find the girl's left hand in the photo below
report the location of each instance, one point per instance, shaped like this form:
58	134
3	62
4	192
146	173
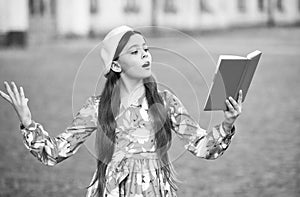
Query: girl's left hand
234	109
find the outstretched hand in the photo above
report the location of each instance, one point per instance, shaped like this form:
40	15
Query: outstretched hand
17	99
234	110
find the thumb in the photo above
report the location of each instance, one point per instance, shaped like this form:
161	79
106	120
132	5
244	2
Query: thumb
26	100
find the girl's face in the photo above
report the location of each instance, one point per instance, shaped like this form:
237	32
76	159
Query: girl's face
135	59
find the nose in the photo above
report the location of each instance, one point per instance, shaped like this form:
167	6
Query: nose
144	54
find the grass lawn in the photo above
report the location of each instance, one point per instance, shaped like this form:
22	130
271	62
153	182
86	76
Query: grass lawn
262	160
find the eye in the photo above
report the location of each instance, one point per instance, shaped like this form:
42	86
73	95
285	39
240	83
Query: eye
134	52
146	49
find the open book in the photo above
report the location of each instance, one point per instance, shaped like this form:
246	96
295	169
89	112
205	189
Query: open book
232	74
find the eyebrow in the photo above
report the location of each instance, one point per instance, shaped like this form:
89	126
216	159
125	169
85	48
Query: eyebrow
136	45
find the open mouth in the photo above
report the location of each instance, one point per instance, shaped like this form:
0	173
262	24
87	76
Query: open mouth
146	65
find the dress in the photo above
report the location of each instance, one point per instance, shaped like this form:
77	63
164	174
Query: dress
134	170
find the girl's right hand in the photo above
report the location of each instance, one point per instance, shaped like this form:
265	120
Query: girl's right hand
17	99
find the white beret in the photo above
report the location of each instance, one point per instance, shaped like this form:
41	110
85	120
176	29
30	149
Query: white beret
110	44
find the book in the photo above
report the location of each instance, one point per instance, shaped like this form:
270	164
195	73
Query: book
232	74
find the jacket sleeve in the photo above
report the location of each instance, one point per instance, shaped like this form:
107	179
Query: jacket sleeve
52	150
200	142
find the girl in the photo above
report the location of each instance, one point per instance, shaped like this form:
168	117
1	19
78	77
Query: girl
133	121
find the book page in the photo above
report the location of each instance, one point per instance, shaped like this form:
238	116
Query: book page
232	57
253	54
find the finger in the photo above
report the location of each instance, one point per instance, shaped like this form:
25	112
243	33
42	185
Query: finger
240	99
234	103
22	94
5	96
230	107
15	89
10	92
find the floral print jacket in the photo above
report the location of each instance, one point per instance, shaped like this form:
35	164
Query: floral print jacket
133	140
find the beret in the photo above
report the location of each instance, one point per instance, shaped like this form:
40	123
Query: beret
110	44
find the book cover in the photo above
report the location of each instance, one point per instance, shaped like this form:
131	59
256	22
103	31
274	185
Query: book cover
232	74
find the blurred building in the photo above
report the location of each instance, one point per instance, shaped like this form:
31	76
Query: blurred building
13	22
42	19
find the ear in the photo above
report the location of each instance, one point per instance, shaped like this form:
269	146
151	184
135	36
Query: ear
115	66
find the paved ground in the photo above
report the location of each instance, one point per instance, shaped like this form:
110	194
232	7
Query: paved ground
262	160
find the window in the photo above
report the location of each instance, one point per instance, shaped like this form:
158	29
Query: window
204	6
261	5
241	5
36	7
31	7
131	6
169	6
279	5
93	6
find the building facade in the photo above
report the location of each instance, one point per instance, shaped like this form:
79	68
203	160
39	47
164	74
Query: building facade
48	18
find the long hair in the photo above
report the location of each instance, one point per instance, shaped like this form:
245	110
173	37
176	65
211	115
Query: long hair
109	107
